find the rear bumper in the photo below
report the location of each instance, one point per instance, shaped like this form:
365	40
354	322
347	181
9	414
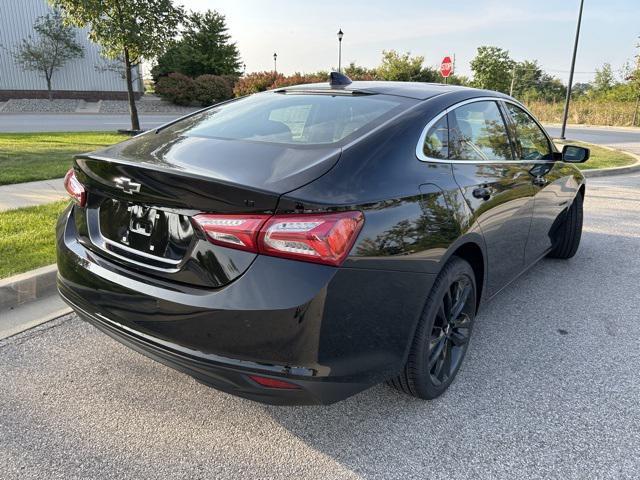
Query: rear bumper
332	332
226	375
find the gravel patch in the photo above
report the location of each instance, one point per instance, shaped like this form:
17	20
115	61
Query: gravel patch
144	106
28	105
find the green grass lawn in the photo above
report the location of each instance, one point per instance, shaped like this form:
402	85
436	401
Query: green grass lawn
600	157
27	237
25	157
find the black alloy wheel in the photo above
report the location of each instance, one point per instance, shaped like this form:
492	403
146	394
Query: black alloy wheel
451	331
443	333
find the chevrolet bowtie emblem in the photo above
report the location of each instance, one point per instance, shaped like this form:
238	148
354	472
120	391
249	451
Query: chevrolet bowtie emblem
126	185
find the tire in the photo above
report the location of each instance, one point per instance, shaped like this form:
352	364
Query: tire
569	232
440	344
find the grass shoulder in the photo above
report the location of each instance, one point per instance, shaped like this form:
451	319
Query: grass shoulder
27	157
600	157
27	237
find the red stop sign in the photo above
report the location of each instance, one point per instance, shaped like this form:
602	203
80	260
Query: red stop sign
446	67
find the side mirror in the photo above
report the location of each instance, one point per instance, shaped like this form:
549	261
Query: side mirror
575	154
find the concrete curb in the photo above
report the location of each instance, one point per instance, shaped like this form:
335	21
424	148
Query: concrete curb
605	172
28	300
595	127
27	287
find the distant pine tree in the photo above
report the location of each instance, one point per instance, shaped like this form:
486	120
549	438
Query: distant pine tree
205	48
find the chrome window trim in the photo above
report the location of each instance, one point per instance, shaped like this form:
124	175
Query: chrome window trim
420	146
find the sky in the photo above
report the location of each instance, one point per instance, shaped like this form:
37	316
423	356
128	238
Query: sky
303	32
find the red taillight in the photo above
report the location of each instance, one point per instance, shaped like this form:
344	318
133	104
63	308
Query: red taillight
234	231
322	238
74	188
273	383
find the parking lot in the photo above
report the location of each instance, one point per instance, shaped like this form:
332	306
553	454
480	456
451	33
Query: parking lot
550	389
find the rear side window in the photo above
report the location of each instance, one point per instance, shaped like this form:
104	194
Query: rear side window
477	132
303	119
530	141
436	142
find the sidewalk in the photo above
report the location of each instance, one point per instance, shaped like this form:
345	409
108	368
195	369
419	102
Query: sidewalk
31	193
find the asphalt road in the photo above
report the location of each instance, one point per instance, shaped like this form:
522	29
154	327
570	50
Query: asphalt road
75	122
12	122
598	135
620	138
550	389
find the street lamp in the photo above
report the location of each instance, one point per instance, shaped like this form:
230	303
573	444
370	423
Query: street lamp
573	66
275	62
340	35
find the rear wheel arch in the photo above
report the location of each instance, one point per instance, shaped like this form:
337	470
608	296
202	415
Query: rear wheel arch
471	249
473	254
582	190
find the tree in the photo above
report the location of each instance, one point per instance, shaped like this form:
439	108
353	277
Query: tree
133	29
633	77
530	82
54	46
581	88
604	79
404	68
492	69
525	78
458	80
357	72
205	48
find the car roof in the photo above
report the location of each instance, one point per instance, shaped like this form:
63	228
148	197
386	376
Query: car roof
416	90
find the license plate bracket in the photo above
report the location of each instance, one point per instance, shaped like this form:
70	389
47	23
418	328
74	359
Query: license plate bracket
135	226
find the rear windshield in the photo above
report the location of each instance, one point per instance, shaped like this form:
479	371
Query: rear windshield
302	119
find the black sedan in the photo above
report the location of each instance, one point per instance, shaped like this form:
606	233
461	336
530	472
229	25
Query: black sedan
301	245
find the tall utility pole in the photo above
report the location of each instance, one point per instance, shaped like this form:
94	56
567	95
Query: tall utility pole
573	66
340	35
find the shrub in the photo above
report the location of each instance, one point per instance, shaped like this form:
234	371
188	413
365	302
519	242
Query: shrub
299	79
210	89
256	82
176	88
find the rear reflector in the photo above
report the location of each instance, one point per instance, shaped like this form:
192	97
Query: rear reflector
74	188
273	383
321	238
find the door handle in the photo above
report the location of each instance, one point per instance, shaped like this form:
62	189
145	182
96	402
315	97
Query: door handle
482	193
539	181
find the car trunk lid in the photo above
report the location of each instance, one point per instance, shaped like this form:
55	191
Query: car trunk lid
143	193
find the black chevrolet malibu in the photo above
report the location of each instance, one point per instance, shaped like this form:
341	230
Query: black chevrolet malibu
300	245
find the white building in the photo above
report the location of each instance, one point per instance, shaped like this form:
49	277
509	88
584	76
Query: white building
78	78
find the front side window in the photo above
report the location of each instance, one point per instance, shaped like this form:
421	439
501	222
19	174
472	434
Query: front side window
298	119
477	132
436	142
530	141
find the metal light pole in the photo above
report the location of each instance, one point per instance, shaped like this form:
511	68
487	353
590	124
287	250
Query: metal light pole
573	66
340	35
275	62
